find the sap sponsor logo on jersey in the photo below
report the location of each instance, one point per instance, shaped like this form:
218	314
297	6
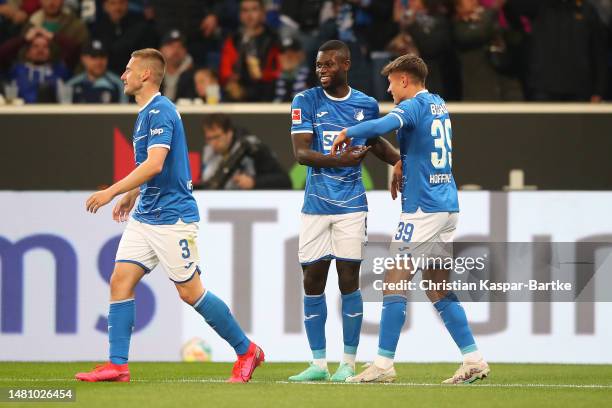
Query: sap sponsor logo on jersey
440	178
155	132
296	116
328	139
154	111
438	109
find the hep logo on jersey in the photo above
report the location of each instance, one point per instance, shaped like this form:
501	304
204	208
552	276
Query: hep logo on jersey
296	116
155	132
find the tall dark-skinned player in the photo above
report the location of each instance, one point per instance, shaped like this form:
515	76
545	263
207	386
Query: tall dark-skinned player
333	219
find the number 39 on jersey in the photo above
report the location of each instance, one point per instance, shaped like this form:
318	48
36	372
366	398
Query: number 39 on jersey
443	152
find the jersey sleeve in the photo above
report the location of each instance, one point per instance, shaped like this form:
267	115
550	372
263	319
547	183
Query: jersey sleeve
374	128
301	114
161	128
406	112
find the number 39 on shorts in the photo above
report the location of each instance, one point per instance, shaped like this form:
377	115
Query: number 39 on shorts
404	231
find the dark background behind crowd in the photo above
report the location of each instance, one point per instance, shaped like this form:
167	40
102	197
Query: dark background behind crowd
74	51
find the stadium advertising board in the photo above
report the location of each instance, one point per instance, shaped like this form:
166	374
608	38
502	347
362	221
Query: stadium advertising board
56	260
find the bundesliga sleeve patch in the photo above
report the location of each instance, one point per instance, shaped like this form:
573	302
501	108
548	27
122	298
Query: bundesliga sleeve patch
296	116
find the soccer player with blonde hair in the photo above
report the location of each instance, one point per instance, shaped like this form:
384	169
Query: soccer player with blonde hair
163	228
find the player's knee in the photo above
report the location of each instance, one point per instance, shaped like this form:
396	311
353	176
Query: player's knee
313	288
190	294
437	295
188	298
120	287
314	284
348	277
115	280
348	282
315	277
348	287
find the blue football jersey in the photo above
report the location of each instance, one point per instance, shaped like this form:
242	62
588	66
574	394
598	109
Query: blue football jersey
332	190
425	140
167	197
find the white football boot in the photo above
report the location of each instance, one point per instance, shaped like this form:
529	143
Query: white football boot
374	374
467	373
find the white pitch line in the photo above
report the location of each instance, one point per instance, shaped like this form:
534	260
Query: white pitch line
410	384
396	384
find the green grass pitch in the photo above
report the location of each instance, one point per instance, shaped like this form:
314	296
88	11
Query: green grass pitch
201	385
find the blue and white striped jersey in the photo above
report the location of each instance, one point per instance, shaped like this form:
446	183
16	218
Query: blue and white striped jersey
332	190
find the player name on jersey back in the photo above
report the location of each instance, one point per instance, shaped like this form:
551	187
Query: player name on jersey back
438	109
440	178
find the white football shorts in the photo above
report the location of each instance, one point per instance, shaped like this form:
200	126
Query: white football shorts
174	246
334	236
425	234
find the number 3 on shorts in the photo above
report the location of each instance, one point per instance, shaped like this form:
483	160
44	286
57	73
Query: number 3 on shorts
185	247
404	231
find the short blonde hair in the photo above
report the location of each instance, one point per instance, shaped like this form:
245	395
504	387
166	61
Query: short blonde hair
154	60
409	64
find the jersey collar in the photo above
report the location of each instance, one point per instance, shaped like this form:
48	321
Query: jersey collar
420	92
148	102
344	98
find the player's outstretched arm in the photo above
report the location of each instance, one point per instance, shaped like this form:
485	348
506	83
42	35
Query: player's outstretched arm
308	157
141	174
366	130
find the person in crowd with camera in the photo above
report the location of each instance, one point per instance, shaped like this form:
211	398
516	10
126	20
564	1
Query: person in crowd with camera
233	159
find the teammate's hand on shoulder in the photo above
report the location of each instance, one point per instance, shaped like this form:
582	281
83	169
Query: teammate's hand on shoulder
341	142
396	180
98	199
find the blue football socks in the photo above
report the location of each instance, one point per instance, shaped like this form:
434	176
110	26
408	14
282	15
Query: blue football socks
352	318
456	323
218	316
391	323
315	315
120	326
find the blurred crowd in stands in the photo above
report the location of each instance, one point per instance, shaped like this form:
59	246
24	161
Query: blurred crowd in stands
74	51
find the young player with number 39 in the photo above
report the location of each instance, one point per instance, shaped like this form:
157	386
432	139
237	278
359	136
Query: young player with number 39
429	211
